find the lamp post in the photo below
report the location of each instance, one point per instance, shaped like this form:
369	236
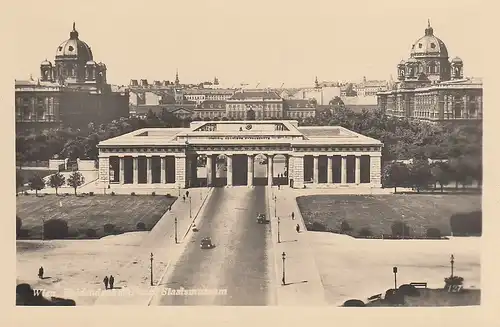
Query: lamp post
43	228
403	226
452	261
279	240
395	271
151	259
175	229
283	257
274	198
190	213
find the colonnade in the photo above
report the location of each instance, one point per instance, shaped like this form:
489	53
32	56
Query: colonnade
178	169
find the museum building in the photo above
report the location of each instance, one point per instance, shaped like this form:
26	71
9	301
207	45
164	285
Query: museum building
326	156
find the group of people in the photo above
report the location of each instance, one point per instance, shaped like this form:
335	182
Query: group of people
297	227
109	282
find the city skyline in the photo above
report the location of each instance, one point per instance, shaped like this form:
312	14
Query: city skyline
290	60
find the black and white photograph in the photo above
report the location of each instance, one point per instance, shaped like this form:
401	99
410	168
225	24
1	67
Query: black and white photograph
230	153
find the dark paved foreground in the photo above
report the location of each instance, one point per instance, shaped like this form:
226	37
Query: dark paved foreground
237	264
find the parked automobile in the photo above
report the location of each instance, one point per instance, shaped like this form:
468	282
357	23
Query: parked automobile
261	219
206	243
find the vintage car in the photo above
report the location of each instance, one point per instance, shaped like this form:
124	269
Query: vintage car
261	219
206	243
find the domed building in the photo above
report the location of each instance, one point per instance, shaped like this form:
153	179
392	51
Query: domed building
72	91
431	87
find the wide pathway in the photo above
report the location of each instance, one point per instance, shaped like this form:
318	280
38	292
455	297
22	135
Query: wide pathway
237	267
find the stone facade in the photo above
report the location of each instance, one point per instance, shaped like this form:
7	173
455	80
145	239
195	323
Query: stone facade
341	159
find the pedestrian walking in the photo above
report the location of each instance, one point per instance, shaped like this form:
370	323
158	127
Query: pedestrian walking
297	228
187	194
293	215
111	281
106	280
279	186
40	272
184	198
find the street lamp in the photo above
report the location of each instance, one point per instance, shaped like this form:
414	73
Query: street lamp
151	268
283	257
190	213
43	228
279	240
403	226
175	229
452	261
274	198
395	271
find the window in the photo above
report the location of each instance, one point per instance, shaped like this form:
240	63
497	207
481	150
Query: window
70	48
420	45
433	45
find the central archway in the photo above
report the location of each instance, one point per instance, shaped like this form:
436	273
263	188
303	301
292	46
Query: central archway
201	170
280	170
260	165
220	170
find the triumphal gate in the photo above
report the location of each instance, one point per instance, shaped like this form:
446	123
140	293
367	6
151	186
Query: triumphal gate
232	153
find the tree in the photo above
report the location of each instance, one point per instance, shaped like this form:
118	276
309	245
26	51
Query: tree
19	180
19	225
75	180
441	174
396	174
420	174
36	183
56	180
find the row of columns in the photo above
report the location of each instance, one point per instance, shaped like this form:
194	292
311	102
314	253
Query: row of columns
149	170
343	170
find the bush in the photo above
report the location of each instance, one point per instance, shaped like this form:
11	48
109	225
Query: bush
109	229
26	193
133	193
141	226
318	227
433	233
354	303
400	229
455	280
169	195
345	227
91	193
153	193
409	290
19	225
365	232
394	297
113	193
466	224
55	229
91	232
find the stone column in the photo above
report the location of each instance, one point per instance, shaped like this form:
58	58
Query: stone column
343	179
229	172
375	170
270	169
135	164
104	170
209	170
298	171
180	170
163	173
357	176
316	169
122	170
250	170
329	173
149	171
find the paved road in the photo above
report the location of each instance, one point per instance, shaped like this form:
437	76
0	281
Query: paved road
237	264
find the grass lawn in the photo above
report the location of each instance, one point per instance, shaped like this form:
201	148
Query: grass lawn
91	212
418	211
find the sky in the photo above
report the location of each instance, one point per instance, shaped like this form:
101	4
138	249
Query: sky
260	41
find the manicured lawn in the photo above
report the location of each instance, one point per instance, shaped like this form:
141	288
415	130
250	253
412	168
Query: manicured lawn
91	212
418	211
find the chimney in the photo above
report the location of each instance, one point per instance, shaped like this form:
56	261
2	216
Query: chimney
133	82
144	82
